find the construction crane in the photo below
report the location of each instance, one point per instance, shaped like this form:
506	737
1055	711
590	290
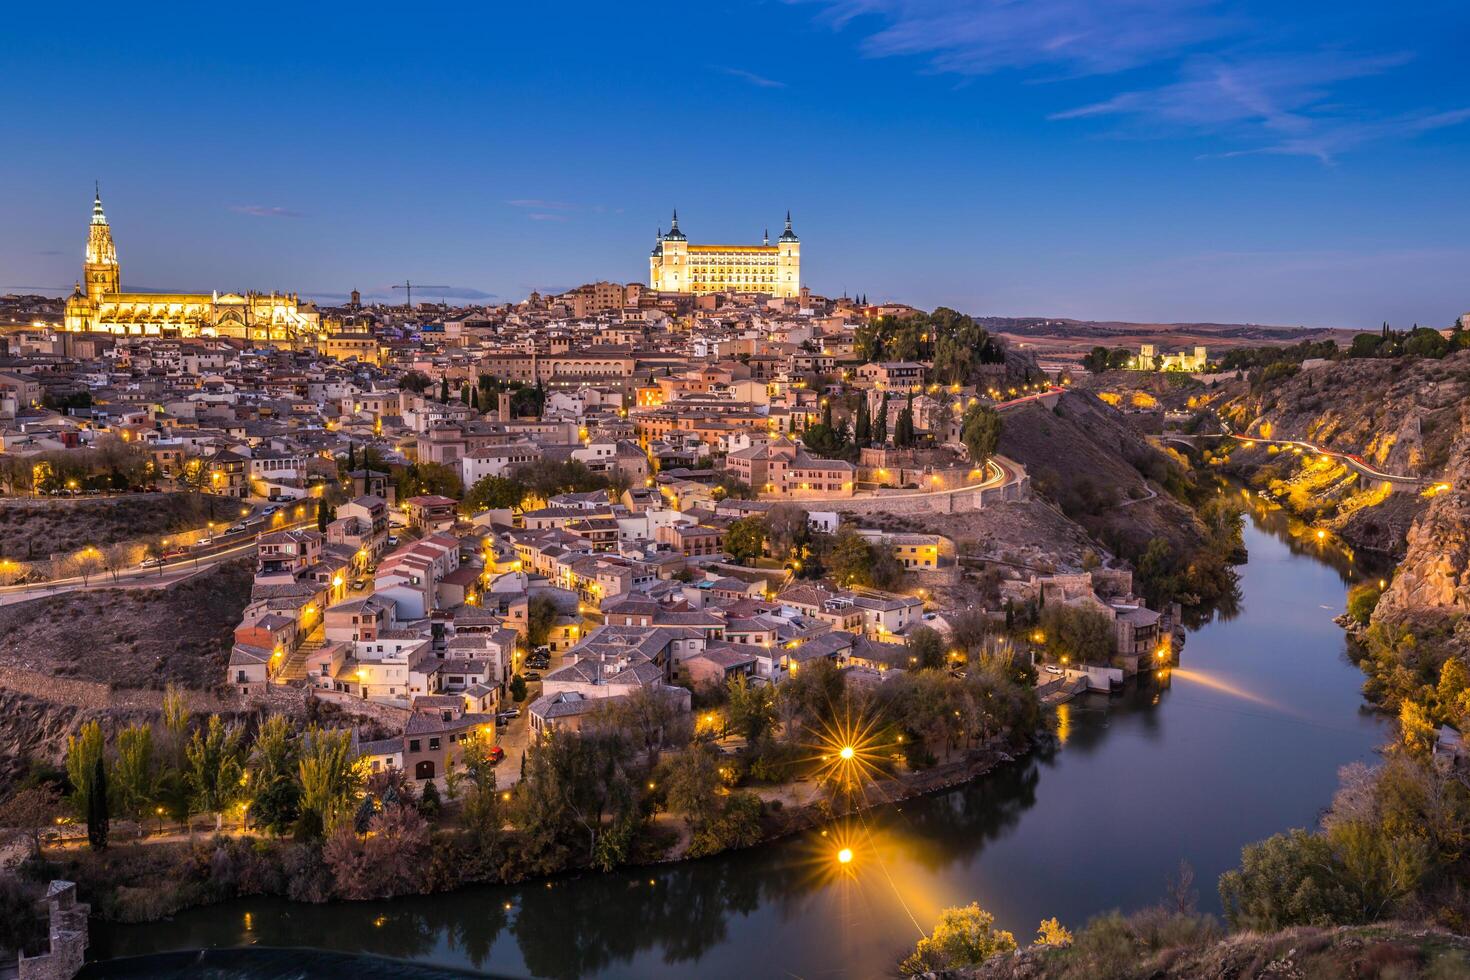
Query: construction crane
409	287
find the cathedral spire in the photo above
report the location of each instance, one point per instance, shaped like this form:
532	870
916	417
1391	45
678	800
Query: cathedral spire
98	218
766	237
675	225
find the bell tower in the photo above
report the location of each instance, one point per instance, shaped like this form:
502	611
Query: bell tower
100	271
788	262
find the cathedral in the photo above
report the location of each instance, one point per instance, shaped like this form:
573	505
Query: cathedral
98	304
678	267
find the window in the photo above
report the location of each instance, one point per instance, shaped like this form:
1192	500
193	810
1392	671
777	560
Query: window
433	745
413	745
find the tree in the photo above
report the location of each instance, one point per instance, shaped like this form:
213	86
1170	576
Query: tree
215	758
84	751
927	647
492	493
963	937
389	861
1362	599
430	478
745	539
30	808
903	430
323	516
133	771
786	529
570	786
117	558
691	780
1052	933
880	423
415	381
86	563
330	778
653	716
97	822
444	389
541	613
272	772
429	802
1290	879
518	689
852	557
862	429
351	456
1084	635
1416	728
751	708
981	432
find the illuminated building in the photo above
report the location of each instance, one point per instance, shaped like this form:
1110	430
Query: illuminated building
678	267
103	307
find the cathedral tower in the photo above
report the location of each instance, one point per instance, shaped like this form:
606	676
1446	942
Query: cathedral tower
100	268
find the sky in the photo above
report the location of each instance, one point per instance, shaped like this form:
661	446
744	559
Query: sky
1195	160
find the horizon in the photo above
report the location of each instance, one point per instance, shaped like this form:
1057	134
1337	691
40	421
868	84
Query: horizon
1209	162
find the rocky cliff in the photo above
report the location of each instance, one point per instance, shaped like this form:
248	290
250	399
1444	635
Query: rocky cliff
1404	415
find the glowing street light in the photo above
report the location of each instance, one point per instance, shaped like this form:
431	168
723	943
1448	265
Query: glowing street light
847	752
844	856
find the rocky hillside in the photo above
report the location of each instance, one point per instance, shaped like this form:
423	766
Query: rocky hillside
1404	415
1385	950
32	528
1084	456
134	637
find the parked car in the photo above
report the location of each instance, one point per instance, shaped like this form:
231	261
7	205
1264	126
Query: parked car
204	542
507	714
271	509
358	584
497	755
1052	669
236	528
150	563
532	676
392	540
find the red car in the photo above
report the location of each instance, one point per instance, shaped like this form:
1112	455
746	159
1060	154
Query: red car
497	754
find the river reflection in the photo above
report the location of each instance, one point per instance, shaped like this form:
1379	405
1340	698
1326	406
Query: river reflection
1242	741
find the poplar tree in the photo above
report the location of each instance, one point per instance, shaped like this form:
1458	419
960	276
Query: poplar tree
863	427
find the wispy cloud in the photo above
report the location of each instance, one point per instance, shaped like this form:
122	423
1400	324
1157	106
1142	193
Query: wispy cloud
540	204
759	81
1080	37
1284	103
547	216
264	211
1220	80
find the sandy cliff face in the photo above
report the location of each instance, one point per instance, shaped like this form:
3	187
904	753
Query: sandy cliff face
1434	577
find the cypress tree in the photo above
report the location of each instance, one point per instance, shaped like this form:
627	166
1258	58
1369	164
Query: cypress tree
323	516
444	389
351	456
97	823
474	399
880	424
863	427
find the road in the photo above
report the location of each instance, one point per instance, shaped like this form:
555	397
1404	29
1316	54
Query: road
177	568
1354	462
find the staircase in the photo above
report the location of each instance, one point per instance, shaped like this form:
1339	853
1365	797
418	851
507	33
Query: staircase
294	669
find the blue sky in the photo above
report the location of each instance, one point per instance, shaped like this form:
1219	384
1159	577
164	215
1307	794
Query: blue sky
1143	160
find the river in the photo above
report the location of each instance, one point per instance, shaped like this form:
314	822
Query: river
1242	740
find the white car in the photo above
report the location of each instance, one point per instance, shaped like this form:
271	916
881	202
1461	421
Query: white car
1052	669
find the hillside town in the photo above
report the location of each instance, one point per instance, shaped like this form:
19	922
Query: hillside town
503	519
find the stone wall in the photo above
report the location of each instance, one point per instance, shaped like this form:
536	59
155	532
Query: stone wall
68	937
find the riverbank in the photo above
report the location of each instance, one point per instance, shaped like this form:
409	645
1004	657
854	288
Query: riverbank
151	879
